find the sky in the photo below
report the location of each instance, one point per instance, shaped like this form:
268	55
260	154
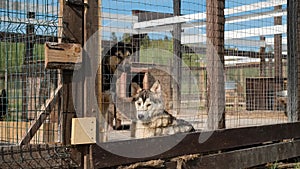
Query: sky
47	9
188	7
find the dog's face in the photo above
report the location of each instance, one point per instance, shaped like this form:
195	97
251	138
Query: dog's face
148	103
119	54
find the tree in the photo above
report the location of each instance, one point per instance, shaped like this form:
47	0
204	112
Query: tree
113	37
126	38
145	41
166	38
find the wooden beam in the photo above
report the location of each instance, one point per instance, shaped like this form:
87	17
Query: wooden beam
220	140
62	55
240	33
201	24
200	16
249	157
42	115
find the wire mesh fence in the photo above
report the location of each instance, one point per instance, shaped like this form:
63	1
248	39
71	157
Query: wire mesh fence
163	42
254	67
25	27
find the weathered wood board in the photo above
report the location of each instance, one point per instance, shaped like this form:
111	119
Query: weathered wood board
62	55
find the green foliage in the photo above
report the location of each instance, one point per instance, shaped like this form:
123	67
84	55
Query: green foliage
274	165
113	37
233	74
12	55
192	59
11	61
156	51
126	38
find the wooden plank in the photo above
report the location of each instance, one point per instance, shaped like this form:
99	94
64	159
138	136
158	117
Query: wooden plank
62	55
256	16
42	115
200	16
254	6
240	33
249	157
229	19
219	140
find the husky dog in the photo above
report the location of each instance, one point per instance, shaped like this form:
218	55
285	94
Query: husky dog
152	118
115	62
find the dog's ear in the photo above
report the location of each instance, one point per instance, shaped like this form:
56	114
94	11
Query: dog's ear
156	87
135	89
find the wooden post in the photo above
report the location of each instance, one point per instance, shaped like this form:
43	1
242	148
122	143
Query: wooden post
72	32
262	52
29	45
91	25
177	62
293	35
278	58
215	63
99	116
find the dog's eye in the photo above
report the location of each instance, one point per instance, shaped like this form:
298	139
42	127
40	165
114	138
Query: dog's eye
148	105
139	103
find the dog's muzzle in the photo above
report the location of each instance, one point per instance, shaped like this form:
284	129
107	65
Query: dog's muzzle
141	117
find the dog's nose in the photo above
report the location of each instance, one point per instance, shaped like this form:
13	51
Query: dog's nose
140	116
